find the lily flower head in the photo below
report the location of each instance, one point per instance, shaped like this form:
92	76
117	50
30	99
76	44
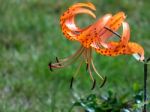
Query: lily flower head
94	36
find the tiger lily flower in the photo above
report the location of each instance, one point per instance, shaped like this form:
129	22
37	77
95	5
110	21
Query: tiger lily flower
93	36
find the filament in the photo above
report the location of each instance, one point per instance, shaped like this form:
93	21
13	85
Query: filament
113	32
88	56
77	71
67	61
74	55
89	70
94	68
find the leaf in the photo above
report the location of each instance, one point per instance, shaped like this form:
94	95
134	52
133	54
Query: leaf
112	102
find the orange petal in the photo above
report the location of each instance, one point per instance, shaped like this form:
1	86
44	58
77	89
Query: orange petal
70	24
114	24
88	4
126	33
89	36
83	10
135	48
69	28
79	8
124	37
108	51
99	25
130	49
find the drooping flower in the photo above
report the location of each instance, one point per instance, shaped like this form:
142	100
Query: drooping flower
94	36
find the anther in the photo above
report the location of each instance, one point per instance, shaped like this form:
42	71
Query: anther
87	65
50	66
58	61
94	83
71	82
103	83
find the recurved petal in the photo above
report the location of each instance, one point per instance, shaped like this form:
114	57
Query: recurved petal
114	24
98	27
70	24
102	22
116	21
136	49
79	8
131	48
126	33
67	22
109	51
124	37
85	11
88	4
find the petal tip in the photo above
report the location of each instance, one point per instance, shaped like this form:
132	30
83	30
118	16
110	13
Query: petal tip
92	6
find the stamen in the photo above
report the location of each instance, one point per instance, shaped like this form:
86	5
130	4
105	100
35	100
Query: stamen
71	82
69	60
50	66
78	69
89	70
95	70
88	57
80	50
94	83
105	78
75	74
113	32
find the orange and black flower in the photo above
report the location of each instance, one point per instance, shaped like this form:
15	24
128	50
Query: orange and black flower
95	36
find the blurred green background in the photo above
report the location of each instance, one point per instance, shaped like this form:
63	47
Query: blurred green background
30	37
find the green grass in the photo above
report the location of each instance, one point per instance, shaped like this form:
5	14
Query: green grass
30	36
